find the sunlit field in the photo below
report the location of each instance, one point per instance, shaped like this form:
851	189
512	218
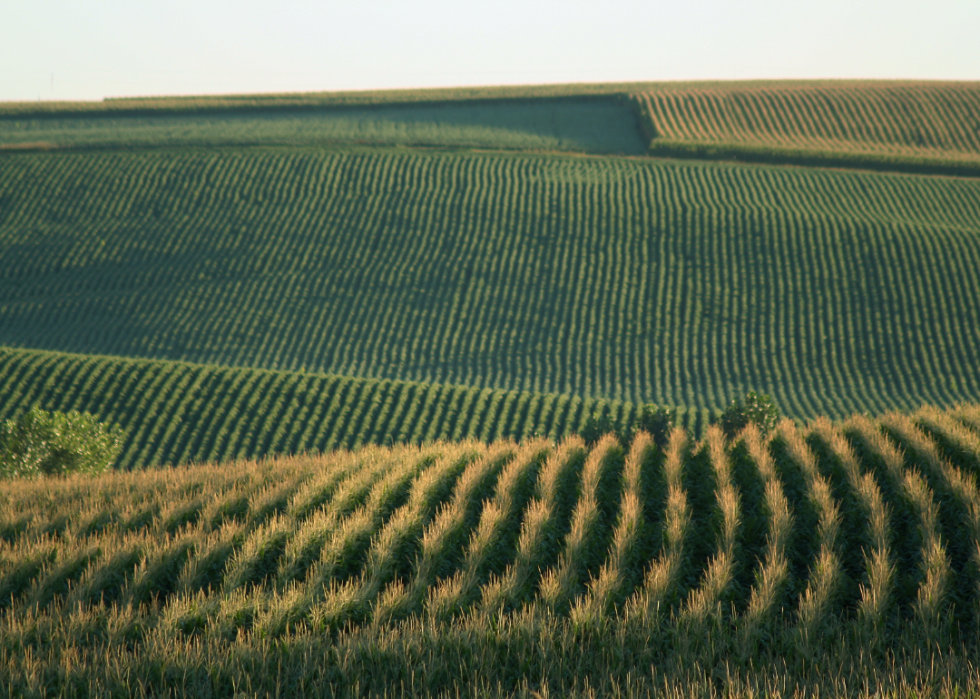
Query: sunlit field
832	555
348	361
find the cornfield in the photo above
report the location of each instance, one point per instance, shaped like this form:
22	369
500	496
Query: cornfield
623	279
880	125
177	412
855	539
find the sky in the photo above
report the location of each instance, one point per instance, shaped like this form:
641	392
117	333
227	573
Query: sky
71	50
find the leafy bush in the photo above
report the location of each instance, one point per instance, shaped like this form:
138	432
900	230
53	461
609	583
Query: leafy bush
759	409
658	421
52	443
597	425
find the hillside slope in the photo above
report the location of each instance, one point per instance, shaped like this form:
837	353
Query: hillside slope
176	412
596	125
862	533
893	125
897	118
643	281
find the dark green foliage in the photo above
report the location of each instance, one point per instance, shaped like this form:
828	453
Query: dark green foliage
638	280
706	519
17	578
754	522
10	530
265	559
63	574
39	442
591	125
608	495
308	412
597	425
657	421
183	517
142	520
804	543
162	576
233	510
757	409
883	162
113	576
210	565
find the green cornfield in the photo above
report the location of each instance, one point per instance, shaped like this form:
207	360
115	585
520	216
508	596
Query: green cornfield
840	558
634	280
871	124
177	412
354	340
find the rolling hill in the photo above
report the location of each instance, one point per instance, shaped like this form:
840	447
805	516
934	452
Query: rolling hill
626	279
819	546
392	286
177	412
520	241
909	126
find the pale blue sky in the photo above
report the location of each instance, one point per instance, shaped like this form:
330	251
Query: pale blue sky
89	49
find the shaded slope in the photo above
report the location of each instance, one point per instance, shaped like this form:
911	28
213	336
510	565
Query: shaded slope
680	284
176	412
586	125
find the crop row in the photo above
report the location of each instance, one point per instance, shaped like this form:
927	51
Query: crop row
670	283
175	412
870	523
936	120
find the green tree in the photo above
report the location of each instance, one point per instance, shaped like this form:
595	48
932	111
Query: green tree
597	425
759	409
657	421
39	442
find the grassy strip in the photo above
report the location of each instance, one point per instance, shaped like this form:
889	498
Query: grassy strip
617	577
663	581
525	656
876	586
561	585
443	537
487	547
816	609
960	517
393	547
709	602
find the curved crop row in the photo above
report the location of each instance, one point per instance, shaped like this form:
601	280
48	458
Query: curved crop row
864	524
310	407
899	118
675	283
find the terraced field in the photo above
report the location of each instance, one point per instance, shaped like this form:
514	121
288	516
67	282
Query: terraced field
911	122
756	550
176	412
